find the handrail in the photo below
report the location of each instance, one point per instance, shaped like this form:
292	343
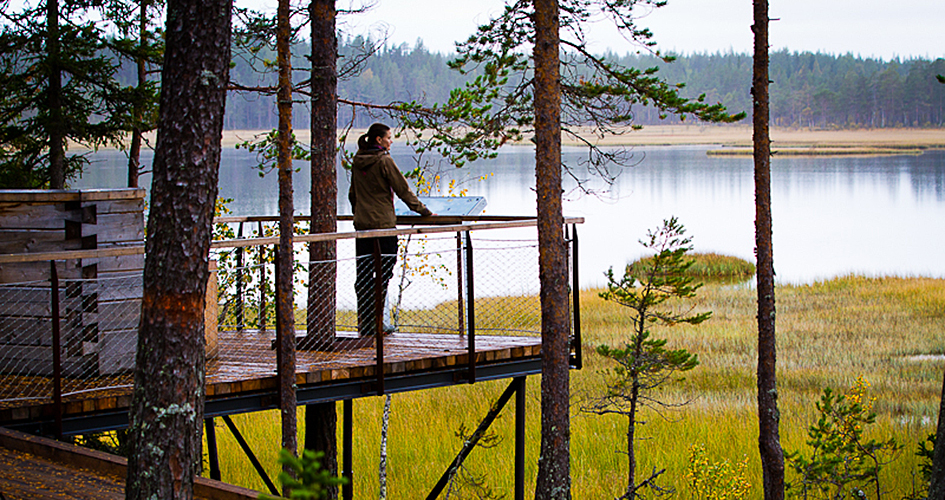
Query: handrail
376	233
502	222
10	258
401	219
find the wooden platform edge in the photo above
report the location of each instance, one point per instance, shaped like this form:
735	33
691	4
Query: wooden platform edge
78	457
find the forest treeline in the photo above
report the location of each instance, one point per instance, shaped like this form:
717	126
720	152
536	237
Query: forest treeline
808	89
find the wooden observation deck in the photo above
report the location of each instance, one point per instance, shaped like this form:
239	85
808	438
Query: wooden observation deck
447	327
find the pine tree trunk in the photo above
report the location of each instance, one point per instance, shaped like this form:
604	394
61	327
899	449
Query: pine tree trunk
321	435
54	126
769	442
321	420
285	292
554	472
321	295
167	406
134	151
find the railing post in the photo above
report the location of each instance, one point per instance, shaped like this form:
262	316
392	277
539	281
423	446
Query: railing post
261	316
240	319
470	311
578	361
459	283
56	348
379	315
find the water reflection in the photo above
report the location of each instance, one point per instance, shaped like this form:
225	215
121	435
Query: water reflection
832	215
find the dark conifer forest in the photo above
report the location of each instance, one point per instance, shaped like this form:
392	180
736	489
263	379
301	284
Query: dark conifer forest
810	90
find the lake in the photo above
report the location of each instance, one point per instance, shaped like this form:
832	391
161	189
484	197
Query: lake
877	216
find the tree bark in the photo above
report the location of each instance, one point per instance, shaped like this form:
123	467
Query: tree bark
769	442
167	406
321	420
285	293
554	471
321	296
57	150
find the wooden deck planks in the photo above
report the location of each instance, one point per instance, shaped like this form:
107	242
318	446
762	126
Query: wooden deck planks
247	363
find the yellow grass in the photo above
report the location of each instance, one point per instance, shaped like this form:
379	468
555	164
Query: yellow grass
829	333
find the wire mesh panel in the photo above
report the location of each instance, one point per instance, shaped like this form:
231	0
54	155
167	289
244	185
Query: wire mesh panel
25	326
98	325
433	298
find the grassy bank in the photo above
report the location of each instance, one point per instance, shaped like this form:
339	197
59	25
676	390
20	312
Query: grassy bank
829	334
823	151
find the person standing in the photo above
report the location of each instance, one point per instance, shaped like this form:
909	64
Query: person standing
375	179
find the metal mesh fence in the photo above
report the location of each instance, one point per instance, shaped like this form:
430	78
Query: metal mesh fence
98	324
438	289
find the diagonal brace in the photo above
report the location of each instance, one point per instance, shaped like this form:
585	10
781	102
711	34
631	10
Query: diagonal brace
473	440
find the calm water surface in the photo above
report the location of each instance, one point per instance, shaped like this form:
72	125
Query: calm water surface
832	216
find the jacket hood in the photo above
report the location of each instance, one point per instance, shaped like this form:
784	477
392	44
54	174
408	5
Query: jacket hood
368	157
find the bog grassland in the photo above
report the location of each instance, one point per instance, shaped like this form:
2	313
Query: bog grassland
886	330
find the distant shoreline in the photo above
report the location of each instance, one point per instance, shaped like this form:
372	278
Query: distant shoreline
736	136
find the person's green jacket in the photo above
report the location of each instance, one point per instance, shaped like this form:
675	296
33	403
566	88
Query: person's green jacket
375	179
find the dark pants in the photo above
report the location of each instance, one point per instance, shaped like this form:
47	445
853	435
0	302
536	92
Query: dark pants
367	278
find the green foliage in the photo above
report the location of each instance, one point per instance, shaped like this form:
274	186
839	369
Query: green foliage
716	480
94	109
926	451
267	151
243	288
644	363
843	462
813	89
496	105
707	266
645	288
308	480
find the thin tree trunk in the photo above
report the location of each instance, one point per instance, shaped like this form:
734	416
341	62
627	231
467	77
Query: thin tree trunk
285	305
769	442
382	467
321	420
554	470
54	127
134	153
167	404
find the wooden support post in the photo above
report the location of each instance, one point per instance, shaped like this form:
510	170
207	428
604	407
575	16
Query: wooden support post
347	490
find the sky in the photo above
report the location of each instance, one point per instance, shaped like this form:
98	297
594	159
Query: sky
868	28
